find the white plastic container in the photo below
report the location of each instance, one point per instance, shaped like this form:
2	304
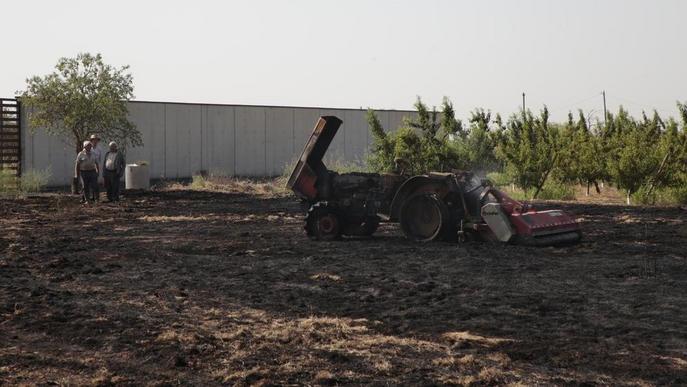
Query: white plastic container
137	176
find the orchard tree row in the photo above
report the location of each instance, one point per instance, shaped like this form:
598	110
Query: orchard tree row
640	156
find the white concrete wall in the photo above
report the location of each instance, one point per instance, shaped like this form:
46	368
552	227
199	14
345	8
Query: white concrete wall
181	140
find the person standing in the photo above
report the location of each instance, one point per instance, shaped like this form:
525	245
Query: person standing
95	140
86	167
113	169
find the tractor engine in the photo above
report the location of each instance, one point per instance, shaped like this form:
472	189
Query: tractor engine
349	204
338	204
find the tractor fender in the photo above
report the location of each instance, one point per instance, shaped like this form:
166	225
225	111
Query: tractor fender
419	183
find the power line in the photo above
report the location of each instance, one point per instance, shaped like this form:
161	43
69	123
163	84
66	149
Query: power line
642	106
568	106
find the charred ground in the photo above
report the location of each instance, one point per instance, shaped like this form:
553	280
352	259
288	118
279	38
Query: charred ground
222	288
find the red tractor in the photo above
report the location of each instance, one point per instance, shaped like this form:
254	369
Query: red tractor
434	206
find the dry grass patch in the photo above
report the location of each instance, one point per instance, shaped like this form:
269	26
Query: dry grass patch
266	187
179	218
467	336
325	277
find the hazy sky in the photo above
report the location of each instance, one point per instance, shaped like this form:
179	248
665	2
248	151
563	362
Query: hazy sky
378	54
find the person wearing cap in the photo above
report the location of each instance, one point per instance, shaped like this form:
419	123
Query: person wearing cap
95	140
86	168
113	169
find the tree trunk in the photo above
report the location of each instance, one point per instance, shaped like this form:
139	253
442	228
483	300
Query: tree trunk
628	198
587	193
541	184
536	192
659	173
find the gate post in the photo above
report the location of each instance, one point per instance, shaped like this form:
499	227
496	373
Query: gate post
10	135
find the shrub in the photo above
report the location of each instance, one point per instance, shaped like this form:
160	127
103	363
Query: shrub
663	196
555	190
499	179
34	180
199	182
8	182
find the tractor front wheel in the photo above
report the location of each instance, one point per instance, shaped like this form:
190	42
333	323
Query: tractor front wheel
322	222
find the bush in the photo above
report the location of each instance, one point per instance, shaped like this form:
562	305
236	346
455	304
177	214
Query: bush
31	181
552	190
662	197
198	182
34	180
679	194
555	190
499	179
8	182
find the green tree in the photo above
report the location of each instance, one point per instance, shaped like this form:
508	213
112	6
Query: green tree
580	155
381	157
477	146
671	149
633	157
423	142
83	96
528	147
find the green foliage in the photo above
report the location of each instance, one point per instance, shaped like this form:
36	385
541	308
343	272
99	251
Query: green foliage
553	189
198	182
422	144
661	196
556	190
478	143
8	182
500	179
83	96
646	157
34	180
528	147
381	157
31	181
580	155
637	150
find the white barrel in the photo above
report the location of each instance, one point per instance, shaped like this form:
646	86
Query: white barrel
137	176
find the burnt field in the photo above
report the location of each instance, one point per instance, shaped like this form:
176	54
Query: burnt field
210	288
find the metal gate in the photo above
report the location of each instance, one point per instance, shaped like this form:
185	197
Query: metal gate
10	135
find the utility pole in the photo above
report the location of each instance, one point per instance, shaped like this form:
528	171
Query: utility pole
523	103
603	93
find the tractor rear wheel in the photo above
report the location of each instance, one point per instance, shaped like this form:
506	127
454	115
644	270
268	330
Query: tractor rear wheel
323	222
424	217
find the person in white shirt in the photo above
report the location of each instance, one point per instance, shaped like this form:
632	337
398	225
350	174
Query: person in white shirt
87	169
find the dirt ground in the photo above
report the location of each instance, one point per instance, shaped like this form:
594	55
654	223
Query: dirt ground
217	288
